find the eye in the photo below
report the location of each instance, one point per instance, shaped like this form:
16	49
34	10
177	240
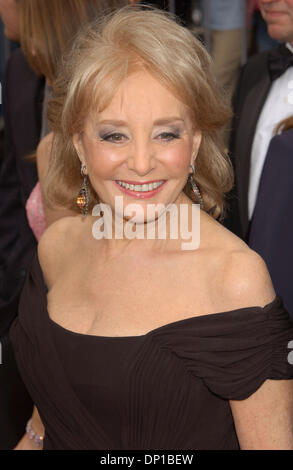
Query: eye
115	137
168	136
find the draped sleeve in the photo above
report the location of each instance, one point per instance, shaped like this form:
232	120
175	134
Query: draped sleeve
234	352
174	388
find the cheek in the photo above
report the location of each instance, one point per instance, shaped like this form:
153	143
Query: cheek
287	6
290	8
102	160
177	159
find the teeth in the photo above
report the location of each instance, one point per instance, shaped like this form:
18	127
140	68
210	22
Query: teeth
140	187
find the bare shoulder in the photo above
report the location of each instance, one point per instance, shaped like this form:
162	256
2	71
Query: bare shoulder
242	278
56	245
246	279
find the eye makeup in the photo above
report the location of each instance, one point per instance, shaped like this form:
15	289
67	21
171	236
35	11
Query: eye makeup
168	134
111	134
113	137
120	133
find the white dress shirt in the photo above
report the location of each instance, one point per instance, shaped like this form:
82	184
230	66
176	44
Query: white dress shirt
278	106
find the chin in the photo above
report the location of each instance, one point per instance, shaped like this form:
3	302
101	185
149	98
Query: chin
278	33
141	219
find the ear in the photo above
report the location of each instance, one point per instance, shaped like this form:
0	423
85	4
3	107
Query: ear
197	136
79	147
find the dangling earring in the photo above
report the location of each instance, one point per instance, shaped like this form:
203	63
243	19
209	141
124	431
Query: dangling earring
191	179
82	199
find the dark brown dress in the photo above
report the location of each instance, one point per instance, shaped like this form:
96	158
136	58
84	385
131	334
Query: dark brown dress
168	389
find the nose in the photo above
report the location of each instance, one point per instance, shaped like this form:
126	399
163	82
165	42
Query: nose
142	159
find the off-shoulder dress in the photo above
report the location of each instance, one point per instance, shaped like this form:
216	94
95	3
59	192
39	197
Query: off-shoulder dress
167	389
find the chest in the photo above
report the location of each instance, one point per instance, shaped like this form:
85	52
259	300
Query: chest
126	298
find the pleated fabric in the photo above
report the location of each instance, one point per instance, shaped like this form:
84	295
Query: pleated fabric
166	390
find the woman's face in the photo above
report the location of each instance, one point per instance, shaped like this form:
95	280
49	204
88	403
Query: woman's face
144	137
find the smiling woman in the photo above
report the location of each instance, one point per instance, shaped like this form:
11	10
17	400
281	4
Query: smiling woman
125	55
141	145
132	343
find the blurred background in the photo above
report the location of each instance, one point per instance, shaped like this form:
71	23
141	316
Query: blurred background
199	16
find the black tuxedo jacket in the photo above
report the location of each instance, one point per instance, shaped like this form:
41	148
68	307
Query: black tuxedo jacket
249	98
22	99
271	232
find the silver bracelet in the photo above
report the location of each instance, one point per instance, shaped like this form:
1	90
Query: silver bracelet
38	440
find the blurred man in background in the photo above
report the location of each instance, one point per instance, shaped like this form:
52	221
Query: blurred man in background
9	15
260	104
225	21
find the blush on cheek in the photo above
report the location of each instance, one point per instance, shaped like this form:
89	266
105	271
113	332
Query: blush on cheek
100	168
178	160
102	160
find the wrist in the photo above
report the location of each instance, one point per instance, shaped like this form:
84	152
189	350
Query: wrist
33	436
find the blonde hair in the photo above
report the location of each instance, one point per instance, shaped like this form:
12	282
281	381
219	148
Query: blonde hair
101	57
47	28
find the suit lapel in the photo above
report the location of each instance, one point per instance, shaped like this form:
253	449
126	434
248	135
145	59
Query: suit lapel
248	120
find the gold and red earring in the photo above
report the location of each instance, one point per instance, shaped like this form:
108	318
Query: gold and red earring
82	199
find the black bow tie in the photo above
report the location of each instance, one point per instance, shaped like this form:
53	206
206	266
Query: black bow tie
280	59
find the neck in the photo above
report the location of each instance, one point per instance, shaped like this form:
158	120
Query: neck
174	228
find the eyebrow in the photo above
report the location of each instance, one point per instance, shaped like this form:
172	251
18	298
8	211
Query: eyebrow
163	121
158	122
